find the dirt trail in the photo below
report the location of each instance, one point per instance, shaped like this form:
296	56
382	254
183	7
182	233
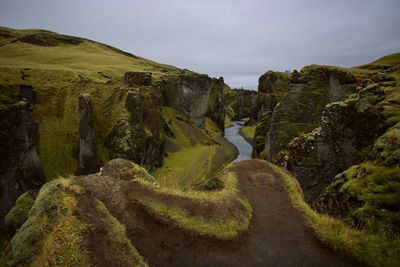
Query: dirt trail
277	235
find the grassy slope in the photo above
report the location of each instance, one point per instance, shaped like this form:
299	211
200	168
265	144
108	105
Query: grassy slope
195	159
248	132
59	74
389	64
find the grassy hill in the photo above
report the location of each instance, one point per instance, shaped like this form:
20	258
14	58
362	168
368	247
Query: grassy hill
59	68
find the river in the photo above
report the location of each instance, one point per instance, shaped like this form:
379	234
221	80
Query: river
232	135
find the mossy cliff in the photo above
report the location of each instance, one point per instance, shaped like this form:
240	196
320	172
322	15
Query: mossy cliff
294	103
336	130
89	103
242	103
345	136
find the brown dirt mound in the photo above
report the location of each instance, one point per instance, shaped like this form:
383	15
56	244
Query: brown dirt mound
277	235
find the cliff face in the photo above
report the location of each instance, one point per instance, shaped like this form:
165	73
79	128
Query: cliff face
367	193
195	96
243	102
137	134
87	153
346	156
346	132
300	102
20	168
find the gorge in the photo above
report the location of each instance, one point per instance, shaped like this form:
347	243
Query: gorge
111	159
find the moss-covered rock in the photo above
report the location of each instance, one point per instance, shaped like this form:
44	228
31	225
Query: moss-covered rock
346	137
260	134
301	98
138	133
368	194
17	216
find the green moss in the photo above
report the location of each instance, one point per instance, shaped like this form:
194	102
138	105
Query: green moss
223	228
3	107
19	213
51	235
248	131
59	72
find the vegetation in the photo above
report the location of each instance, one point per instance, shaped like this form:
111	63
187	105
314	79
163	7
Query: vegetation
59	70
19	213
221	225
248	132
194	147
51	235
369	248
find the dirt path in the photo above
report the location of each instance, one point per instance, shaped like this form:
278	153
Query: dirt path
277	235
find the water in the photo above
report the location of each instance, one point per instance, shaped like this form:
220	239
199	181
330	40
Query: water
233	136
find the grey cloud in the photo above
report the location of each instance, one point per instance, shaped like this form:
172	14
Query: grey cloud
237	39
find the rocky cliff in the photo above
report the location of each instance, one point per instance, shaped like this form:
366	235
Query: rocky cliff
345	154
20	168
295	103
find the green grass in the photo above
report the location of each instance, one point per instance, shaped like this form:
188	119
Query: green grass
224	229
374	250
221	228
19	213
59	74
183	168
194	161
248	131
51	236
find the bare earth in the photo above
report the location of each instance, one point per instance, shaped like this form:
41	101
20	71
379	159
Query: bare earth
278	235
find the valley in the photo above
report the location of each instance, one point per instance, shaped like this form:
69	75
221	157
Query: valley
111	159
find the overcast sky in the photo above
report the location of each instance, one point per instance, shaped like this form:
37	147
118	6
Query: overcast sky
236	39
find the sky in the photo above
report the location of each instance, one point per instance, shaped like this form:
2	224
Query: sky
236	39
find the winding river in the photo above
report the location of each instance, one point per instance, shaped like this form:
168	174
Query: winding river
232	135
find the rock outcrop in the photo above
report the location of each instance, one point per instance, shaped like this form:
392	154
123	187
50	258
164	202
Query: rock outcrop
300	100
20	168
88	162
216	103
137	134
195	96
243	103
347	129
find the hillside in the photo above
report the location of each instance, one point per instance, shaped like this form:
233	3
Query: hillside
73	104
